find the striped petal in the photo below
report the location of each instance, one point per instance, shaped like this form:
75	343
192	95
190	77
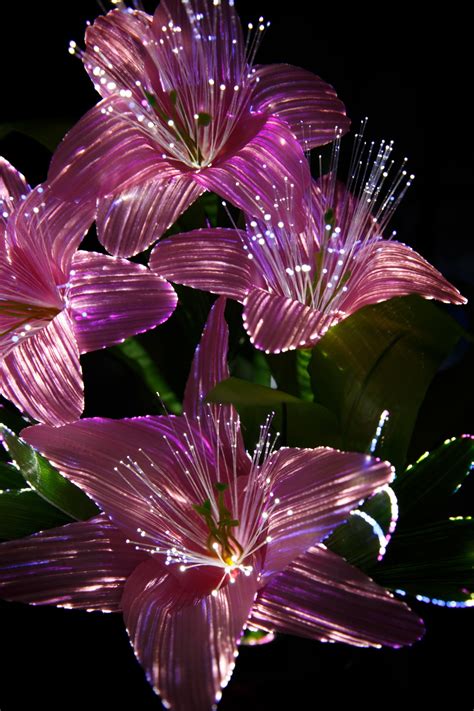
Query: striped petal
322	597
211	260
315	490
81	565
129	221
104	151
42	374
303	100
13	187
111	299
390	269
187	646
275	323
267	175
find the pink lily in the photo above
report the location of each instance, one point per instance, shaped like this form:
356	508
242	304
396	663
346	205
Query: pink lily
183	111
295	285
57	302
197	539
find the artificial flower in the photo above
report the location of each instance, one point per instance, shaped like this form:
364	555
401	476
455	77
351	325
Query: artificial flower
57	302
197	539
295	285
184	110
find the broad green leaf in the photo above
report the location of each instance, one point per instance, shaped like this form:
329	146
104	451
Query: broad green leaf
10	477
24	512
46	480
381	358
290	371
138	359
424	488
242	392
435	560
47	131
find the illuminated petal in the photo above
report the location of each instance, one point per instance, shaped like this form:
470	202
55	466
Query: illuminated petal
42	374
390	269
211	260
114	56
299	326
106	150
268	175
82	565
316	489
129	221
322	597
187	646
303	100
136	476
13	187
111	299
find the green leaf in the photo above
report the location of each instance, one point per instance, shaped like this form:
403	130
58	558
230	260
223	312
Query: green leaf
242	392
10	477
435	560
381	358
425	488
290	371
24	512
46	480
137	358
47	131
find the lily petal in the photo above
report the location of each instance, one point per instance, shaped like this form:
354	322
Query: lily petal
315	490
111	299
211	260
129	221
322	597
303	100
13	187
299	326
81	565
388	269
106	150
267	176
114	56
176	637
42	374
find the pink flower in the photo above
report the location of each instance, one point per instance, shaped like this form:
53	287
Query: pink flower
57	302
198	539
295	285
183	111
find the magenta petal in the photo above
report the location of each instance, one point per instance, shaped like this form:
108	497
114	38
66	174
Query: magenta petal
83	564
303	100
276	323
42	374
322	597
187	647
104	151
111	299
316	489
13	187
132	472
388	269
128	222
211	260
259	176
114	56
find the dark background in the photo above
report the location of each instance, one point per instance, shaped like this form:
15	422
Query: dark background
411	77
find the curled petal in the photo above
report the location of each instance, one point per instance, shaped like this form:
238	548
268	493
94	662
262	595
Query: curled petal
13	187
42	374
211	260
114	56
129	221
104	151
303	100
388	269
179	638
267	176
276	323
322	597
111	299
314	491
81	565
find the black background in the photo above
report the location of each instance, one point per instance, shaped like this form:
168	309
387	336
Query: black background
411	77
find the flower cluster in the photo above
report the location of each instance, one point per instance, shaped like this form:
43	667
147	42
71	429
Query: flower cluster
197	539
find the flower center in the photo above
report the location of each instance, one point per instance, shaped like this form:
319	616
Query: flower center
221	541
